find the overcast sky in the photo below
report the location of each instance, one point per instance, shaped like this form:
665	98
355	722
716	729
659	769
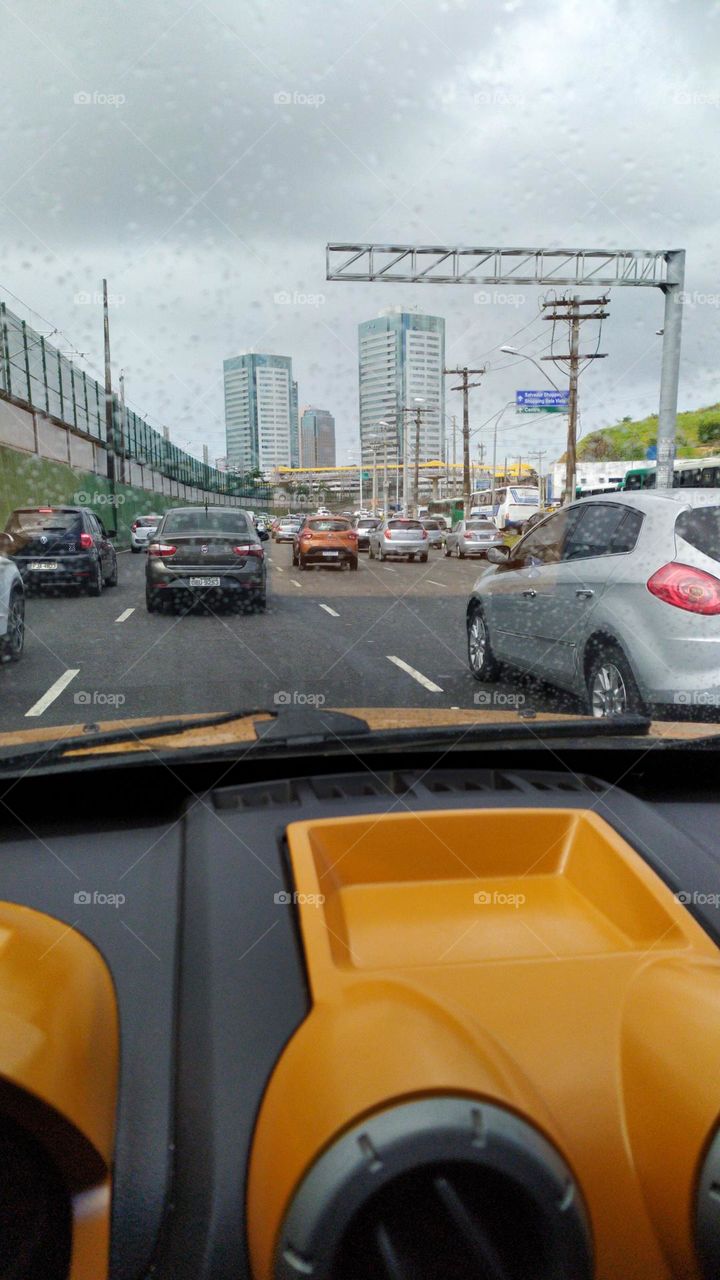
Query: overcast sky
201	155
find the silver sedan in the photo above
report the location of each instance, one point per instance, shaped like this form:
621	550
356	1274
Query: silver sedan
473	537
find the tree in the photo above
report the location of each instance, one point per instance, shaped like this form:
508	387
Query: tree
709	428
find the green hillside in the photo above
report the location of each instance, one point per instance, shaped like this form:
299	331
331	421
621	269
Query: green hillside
698	433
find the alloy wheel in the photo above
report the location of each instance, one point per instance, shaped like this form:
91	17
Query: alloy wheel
608	696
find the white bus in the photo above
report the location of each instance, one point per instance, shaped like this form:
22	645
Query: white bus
513	505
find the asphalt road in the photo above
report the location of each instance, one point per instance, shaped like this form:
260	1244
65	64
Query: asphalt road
390	635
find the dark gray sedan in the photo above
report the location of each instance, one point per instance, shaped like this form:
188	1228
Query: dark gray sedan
212	554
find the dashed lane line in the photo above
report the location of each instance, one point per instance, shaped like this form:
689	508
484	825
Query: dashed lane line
125	615
416	675
327	609
53	692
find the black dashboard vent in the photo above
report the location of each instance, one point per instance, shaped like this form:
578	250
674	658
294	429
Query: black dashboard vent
35	1210
441	1188
264	795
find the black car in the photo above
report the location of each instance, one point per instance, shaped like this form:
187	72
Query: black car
213	554
61	547
363	525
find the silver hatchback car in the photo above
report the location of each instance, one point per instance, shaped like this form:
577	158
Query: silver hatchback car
615	598
473	537
399	536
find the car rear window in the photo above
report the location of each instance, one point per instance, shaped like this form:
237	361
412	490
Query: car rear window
430	524
368	524
479	524
21	521
231	522
404	524
148	522
329	526
701	528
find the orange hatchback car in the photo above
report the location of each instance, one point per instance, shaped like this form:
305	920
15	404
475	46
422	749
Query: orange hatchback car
326	540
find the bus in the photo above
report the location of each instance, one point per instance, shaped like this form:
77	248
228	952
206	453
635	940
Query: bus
513	504
448	509
688	473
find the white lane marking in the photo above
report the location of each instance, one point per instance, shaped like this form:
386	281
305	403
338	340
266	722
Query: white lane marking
389	570
436	584
125	615
53	692
416	675
296	583
327	609
279	570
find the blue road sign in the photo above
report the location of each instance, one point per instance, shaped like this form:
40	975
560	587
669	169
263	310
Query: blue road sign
542	399
651	453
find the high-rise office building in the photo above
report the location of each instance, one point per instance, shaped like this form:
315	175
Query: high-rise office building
260	412
402	356
317	438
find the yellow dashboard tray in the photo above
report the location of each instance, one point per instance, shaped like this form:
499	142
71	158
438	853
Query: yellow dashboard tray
528	958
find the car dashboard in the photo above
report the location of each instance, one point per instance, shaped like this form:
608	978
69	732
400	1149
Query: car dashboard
424	1019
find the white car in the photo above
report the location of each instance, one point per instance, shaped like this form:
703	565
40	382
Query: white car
142	531
12	611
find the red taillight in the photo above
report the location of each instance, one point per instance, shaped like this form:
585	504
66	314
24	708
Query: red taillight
86	541
249	549
387	534
686	588
424	533
134	525
161	549
45	511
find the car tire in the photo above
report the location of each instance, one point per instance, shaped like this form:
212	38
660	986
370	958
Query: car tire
381	555
353	564
135	551
301	563
448	552
423	559
261	601
481	659
95	587
112	581
611	686
153	604
371	553
14	639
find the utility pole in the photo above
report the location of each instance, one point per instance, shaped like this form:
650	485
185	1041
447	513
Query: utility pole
571	312
123	468
109	417
417	461
465	387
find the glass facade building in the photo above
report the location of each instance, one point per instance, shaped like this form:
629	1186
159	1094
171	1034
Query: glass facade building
401	361
317	438
260	412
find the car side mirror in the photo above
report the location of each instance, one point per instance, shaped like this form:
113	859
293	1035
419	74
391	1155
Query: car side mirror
498	555
263	535
111	533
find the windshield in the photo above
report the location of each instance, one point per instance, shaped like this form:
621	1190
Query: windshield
306	403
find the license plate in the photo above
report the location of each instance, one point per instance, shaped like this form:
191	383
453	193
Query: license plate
204	582
43	564
331	553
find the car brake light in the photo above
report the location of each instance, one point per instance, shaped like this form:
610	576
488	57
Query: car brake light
686	588
45	511
134	525
248	549
387	534
161	549
424	533
86	541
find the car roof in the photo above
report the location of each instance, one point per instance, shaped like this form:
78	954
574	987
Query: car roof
653	499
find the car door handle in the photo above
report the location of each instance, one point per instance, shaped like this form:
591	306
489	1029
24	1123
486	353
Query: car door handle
584	593
530	593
